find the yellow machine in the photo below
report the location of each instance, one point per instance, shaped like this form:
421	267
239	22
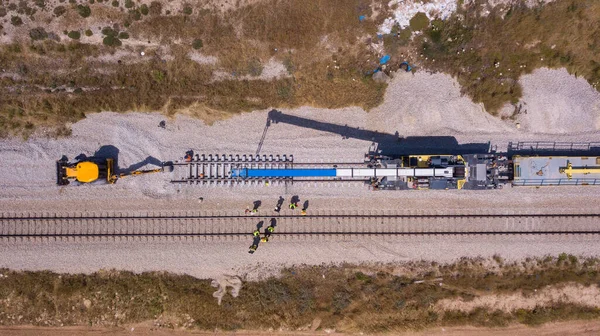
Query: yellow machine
94	169
569	171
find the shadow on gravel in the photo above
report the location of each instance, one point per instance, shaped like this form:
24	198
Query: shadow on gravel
110	151
388	144
149	160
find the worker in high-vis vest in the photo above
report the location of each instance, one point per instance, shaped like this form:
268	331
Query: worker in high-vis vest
252	249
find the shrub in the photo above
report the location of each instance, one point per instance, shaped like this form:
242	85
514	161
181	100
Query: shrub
197	44
129	4
187	10
38	33
144	9
74	34
88	32
40	3
111	41
123	35
3	12
84	11
135	14
419	21
16	21
158	75
155	8
255	68
341	300
59	10
115	3
109	32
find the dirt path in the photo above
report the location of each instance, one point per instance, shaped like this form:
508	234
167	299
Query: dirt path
579	328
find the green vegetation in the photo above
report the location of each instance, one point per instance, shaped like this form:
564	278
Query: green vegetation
112	41
84	11
419	22
488	54
59	10
38	33
347	298
197	44
135	15
16	21
74	34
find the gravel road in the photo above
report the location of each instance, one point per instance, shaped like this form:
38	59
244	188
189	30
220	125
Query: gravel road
559	107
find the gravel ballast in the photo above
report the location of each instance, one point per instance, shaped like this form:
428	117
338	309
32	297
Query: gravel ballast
559	107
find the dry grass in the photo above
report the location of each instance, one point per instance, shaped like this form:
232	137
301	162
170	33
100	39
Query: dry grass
348	298
322	44
489	54
58	82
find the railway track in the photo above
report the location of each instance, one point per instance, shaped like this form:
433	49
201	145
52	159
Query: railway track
327	225
215	169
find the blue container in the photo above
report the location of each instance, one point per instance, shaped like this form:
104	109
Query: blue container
246	172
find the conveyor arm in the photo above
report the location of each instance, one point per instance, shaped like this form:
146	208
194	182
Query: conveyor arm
343	172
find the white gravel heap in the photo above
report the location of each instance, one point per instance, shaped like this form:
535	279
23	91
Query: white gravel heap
408	8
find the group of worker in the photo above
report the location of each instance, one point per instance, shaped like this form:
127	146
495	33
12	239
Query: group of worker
294	204
256	236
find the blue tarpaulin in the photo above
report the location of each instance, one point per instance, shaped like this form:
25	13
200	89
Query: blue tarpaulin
408	67
384	59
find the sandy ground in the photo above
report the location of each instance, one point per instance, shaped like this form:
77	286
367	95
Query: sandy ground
559	107
205	259
567	294
579	328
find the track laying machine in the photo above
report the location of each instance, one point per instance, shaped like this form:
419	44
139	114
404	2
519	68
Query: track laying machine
392	163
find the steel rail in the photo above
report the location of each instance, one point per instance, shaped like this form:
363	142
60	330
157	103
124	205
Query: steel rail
290	225
357	233
263	216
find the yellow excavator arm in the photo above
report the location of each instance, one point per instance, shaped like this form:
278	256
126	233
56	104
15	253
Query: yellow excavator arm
141	172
